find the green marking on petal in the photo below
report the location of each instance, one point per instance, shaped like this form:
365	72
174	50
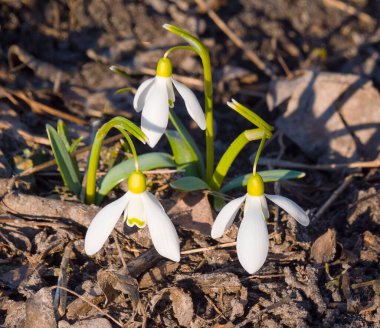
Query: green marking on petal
135	221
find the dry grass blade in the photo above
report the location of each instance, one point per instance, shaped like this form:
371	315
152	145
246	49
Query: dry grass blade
120	324
234	38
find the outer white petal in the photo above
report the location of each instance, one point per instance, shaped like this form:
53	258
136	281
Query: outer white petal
264	206
171	95
191	103
142	91
161	228
102	225
226	216
135	209
155	114
291	207
252	240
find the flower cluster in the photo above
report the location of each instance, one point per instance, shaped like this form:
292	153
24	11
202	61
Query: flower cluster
154	99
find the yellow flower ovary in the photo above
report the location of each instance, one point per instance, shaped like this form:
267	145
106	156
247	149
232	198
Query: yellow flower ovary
255	185
164	67
136	182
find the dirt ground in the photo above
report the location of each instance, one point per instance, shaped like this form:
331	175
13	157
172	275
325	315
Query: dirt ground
54	64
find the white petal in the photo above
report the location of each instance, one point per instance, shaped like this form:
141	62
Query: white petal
142	91
171	94
264	206
225	217
191	103
291	207
161	228
155	114
252	240
135	212
102	225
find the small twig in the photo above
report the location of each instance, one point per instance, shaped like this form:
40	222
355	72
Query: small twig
120	324
271	307
42	108
334	196
322	167
269	276
120	252
234	38
60	297
210	248
215	307
342	6
35	224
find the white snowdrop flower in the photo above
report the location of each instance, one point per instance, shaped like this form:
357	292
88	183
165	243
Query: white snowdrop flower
140	208
252	239
154	97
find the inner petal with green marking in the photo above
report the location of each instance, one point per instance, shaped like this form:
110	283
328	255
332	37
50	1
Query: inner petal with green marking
137	222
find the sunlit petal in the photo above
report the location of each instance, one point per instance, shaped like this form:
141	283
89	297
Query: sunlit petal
191	103
135	211
264	206
155	114
225	217
171	94
291	207
161	228
102	225
142	91
252	240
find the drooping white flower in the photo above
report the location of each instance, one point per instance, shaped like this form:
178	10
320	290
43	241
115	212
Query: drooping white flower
154	97
252	239
140	208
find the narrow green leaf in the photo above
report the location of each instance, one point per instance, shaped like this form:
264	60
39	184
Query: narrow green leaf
188	184
75	145
122	90
118	70
184	156
268	176
64	134
66	164
120	122
122	170
250	115
189	143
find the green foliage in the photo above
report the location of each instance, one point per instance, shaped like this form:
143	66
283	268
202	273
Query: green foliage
188	184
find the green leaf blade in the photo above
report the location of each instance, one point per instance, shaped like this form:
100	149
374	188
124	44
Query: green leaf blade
268	176
189	184
66	164
122	170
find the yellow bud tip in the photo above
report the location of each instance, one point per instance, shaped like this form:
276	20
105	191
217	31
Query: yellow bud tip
164	67
255	185
136	182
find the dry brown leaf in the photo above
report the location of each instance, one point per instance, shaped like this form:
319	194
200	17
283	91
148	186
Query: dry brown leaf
39	309
193	212
182	306
157	274
112	283
324	248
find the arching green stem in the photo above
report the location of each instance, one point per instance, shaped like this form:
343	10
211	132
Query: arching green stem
230	154
258	153
124	126
203	53
168	52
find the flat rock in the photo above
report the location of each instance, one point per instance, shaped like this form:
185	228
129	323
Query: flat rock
39	310
332	117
